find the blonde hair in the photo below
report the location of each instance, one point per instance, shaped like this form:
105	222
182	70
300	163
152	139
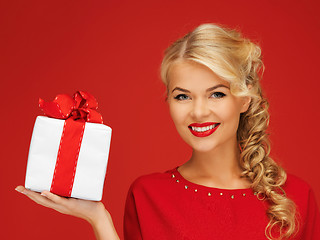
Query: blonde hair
238	60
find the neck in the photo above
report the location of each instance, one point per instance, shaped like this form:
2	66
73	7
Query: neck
220	166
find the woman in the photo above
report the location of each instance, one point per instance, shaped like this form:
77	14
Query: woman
230	188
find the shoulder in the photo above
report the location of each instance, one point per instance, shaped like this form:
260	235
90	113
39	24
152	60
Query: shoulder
153	180
299	191
297	188
303	196
295	183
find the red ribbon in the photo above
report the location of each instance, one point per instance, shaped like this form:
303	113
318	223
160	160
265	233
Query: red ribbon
76	111
81	107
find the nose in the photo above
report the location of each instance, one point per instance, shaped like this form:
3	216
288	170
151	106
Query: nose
200	109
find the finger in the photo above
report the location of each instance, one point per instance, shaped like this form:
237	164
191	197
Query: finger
53	197
26	191
36	197
20	189
39	199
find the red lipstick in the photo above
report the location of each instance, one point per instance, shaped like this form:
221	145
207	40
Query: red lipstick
204	133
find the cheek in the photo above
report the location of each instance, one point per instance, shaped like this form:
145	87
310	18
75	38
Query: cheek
179	115
176	113
229	113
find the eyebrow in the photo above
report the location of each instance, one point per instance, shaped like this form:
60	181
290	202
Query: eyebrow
209	89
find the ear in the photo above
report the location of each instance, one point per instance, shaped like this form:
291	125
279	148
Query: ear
246	101
245	104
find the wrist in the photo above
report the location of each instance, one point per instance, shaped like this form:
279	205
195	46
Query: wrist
102	225
99	215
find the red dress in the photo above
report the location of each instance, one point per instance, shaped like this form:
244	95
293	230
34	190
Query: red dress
167	206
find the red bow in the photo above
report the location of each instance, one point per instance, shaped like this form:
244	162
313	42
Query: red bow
81	107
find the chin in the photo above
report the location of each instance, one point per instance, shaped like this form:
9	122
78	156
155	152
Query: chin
204	147
203	150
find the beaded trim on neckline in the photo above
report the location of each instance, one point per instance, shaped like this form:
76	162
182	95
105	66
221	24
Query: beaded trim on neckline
210	191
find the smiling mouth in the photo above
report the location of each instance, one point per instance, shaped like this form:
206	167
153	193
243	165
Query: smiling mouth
204	129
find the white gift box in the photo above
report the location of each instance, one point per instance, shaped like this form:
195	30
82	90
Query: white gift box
92	160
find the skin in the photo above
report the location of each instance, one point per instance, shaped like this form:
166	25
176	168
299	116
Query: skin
214	160
91	211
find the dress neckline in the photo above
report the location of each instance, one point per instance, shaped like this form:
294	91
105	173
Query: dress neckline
180	178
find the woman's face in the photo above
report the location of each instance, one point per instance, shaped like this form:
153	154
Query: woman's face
196	95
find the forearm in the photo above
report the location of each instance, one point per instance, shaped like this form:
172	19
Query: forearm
103	227
91	211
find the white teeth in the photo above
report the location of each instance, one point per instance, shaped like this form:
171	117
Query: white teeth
202	129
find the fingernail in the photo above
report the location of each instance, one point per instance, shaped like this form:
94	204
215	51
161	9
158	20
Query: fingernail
18	190
43	194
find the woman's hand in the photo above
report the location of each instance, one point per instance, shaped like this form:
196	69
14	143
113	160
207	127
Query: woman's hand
91	211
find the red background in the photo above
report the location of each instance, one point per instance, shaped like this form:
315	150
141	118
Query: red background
113	49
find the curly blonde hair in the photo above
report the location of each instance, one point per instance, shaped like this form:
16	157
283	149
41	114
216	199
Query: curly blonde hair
238	60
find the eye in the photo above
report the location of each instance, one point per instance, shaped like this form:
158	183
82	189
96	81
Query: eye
181	97
218	94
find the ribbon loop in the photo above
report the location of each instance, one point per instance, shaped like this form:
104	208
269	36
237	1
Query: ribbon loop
81	107
85	100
